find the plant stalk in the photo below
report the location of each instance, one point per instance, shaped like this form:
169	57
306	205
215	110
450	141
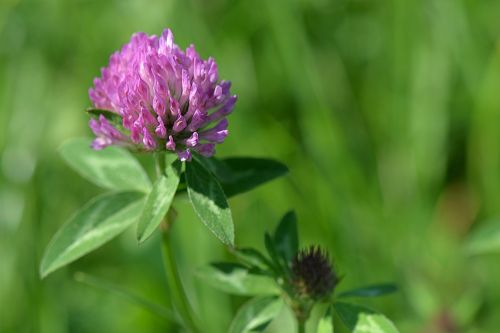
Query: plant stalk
301	310
159	164
302	326
177	293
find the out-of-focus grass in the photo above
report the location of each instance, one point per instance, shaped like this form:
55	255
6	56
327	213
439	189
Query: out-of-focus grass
386	112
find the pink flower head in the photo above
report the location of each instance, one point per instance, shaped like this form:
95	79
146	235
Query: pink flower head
167	98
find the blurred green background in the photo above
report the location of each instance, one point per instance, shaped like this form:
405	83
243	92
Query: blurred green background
386	112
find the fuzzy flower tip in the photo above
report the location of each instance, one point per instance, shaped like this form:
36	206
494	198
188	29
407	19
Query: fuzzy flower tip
165	98
312	274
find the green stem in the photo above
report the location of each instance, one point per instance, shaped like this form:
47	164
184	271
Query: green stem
302	326
301	310
177	293
179	298
159	164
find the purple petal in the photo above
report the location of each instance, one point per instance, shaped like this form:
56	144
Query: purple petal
95	126
206	149
179	124
192	140
148	140
184	155
135	134
166	41
216	137
174	107
170	145
218	91
197	120
159	106
160	130
216	134
186	87
100	143
226	109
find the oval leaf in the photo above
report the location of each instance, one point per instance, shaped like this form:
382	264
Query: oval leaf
286	239
112	168
370	291
325	323
241	174
256	314
99	221
484	240
350	313
237	279
158	201
209	201
374	323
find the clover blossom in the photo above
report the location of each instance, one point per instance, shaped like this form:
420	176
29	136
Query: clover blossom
165	99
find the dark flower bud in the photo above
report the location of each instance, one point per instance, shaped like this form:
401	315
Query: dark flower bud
312	274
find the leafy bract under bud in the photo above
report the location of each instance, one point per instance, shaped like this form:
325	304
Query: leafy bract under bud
312	274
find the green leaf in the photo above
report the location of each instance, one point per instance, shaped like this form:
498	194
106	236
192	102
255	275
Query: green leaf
112	168
370	291
241	174
158	201
209	201
253	258
374	323
325	323
256	314
484	240
273	253
111	116
237	279
125	294
100	220
286	239
350	313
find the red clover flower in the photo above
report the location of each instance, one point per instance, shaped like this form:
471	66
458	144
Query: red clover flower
167	99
